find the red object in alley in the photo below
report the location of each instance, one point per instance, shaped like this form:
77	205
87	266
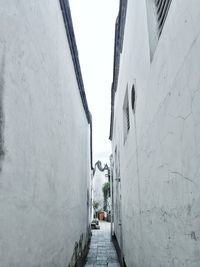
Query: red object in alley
101	216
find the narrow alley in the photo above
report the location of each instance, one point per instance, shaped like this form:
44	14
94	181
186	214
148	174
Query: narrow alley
109	142
102	251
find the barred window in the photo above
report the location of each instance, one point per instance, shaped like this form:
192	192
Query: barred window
133	98
162	7
157	11
126	118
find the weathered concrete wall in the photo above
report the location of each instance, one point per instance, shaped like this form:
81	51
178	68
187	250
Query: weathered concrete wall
44	139
159	162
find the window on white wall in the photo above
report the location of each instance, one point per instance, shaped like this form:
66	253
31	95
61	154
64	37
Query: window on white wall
117	165
133	98
126	117
162	7
157	11
152	26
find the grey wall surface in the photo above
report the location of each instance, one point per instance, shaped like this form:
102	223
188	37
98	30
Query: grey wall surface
45	153
160	160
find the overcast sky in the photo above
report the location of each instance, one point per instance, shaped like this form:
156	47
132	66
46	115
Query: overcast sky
94	26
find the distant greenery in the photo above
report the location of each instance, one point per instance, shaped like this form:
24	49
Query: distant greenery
95	205
106	189
106	194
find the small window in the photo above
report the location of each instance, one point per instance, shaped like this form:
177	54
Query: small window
126	118
117	165
133	98
116	170
157	11
162	7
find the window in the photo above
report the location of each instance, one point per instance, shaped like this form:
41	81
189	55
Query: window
117	165
116	169
162	7
126	118
133	98
157	11
122	20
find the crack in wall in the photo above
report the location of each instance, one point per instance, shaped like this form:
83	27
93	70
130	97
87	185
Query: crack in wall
181	117
181	175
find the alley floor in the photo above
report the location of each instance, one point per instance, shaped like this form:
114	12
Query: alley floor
102	251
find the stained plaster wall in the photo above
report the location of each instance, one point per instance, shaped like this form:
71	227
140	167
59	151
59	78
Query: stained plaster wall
160	160
45	154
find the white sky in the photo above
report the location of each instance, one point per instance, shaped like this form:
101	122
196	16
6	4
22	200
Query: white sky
94	26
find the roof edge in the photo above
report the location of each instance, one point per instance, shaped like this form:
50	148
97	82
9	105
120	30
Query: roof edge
118	46
65	8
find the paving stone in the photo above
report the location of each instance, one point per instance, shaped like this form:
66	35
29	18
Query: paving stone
101	258
101	262
93	251
113	265
102	251
91	260
93	247
112	257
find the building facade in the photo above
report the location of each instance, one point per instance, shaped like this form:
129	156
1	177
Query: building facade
155	127
45	137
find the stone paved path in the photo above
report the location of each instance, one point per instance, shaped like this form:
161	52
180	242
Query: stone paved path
102	251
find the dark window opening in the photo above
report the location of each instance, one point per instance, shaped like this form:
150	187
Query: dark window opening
157	11
126	118
133	98
162	7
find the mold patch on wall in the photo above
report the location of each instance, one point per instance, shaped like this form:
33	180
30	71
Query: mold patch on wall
80	250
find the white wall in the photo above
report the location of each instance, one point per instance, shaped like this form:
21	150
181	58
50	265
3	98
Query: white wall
160	160
45	169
